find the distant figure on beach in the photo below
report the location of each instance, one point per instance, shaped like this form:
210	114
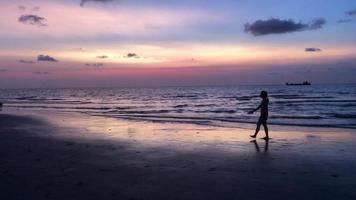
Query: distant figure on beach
264	115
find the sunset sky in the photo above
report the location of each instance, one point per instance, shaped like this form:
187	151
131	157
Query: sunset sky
104	43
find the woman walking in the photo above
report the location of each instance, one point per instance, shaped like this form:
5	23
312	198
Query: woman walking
264	115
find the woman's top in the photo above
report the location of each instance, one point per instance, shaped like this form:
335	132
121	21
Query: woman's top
264	107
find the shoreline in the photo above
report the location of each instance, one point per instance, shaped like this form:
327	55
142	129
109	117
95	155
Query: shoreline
74	156
228	124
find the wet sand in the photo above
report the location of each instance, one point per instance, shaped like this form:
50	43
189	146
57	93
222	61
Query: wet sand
75	156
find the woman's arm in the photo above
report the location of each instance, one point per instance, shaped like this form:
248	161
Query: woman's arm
251	112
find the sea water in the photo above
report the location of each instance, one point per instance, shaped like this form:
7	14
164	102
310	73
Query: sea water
312	106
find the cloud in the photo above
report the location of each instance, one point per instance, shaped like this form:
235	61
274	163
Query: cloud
27	61
280	26
102	57
94	64
274	74
46	58
36	8
21	7
3	70
351	12
83	2
42	73
340	21
317	23
306	71
78	49
132	55
312	49
273	26
33	20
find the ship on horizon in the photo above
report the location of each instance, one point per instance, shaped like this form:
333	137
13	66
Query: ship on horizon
304	83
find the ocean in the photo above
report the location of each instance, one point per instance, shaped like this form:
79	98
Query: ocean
329	106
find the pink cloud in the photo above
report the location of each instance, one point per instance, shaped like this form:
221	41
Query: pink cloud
71	20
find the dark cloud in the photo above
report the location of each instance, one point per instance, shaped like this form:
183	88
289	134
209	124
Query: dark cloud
340	21
46	58
42	73
351	12
94	64
273	26
83	2
312	49
3	70
132	55
280	26
33	20
27	61
102	57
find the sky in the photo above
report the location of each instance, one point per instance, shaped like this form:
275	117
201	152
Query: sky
123	43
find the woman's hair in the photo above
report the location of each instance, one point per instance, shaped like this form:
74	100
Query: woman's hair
263	94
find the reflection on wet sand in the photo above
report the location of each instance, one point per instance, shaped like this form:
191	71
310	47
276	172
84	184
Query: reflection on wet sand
257	146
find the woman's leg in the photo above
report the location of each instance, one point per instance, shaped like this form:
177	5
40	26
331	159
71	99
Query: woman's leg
264	123
257	128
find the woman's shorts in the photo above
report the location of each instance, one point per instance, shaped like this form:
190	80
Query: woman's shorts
262	119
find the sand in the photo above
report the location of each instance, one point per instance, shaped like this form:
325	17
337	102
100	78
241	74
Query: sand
75	156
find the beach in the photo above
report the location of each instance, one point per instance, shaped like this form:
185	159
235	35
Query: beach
163	100
61	155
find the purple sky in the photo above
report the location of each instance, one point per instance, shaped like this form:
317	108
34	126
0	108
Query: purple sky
73	43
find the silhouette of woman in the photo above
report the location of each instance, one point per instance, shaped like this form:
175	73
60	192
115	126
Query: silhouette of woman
264	115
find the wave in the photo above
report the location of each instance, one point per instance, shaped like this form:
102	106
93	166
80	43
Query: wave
347	105
204	105
216	111
316	106
34	98
343	93
300	97
35	101
92	108
316	101
133	112
26	98
331	105
220	121
37	106
294	117
181	106
187	96
344	116
60	107
245	98
234	97
285	96
124	108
